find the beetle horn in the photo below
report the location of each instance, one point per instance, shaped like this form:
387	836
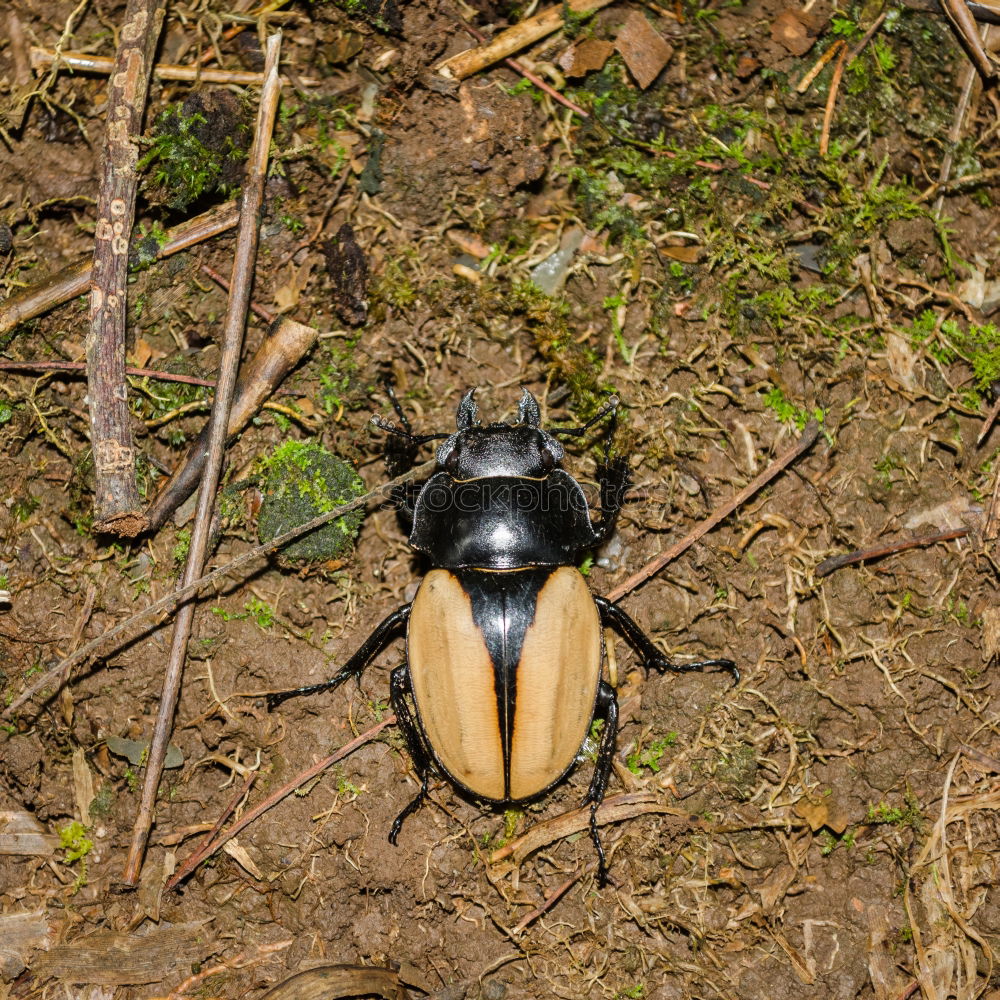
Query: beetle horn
527	410
468	412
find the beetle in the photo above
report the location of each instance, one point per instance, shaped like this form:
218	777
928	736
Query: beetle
504	638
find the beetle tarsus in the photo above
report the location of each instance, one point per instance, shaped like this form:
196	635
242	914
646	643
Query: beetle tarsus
385	632
411	807
603	878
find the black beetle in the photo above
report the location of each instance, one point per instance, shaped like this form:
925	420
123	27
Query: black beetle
504	637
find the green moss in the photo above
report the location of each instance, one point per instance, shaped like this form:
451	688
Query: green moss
301	480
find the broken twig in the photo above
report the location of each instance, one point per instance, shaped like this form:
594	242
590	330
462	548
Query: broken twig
245	255
827	566
117	506
520	36
74	280
284	347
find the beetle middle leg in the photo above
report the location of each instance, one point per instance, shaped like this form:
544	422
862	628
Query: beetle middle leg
400	690
385	632
606	709
626	627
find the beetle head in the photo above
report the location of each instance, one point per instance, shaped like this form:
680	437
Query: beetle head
521	448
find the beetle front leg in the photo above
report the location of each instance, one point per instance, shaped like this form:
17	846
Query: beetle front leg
625	626
613	478
388	630
399	690
606	709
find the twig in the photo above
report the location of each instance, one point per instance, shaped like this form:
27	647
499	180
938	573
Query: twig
867	37
531	77
82	62
74	280
117	507
968	32
988	422
550	900
265	314
805	442
612	810
803	84
284	347
109	639
245	256
521	35
831	99
827	566
209	848
243	960
79	366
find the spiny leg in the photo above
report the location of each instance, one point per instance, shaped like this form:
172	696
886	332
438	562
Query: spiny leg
625	626
606	709
400	690
388	630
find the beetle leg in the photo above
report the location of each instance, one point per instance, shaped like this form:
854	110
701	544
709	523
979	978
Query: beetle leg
384	633
625	626
613	478
606	709
399	689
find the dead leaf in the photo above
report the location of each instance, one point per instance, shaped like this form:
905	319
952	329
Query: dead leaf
83	785
795	30
585	57
20	935
144	352
947	516
470	243
643	48
825	813
902	359
330	981
239	854
687	255
991	632
21	833
291	283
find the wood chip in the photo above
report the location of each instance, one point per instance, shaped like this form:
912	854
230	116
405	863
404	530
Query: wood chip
585	57
21	833
108	958
643	48
795	30
20	935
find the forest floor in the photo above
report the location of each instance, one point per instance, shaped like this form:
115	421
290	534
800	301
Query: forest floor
732	268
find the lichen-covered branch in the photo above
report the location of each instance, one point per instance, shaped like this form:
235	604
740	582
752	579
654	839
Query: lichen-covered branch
117	506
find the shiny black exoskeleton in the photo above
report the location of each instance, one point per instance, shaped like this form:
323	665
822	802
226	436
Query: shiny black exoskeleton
504	638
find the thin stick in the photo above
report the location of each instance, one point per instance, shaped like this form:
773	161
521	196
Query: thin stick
809	435
117	507
804	83
520	36
831	99
168	602
209	848
79	366
74	280
827	566
550	900
988	422
245	255
531	77
82	62
265	314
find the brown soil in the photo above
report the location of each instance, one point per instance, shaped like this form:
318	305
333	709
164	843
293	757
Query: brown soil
828	826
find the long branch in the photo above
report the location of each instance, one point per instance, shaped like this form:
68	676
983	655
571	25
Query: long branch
117	507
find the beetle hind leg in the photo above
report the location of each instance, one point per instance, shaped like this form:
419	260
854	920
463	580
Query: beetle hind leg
626	627
607	709
399	691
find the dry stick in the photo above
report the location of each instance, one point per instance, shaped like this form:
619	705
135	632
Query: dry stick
863	555
285	346
968	32
531	77
831	100
988	422
74	280
79	366
245	256
809	435
202	852
84	63
526	33
169	601
550	900
117	507
803	84
265	314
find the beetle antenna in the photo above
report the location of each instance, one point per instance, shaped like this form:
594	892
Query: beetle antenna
611	406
